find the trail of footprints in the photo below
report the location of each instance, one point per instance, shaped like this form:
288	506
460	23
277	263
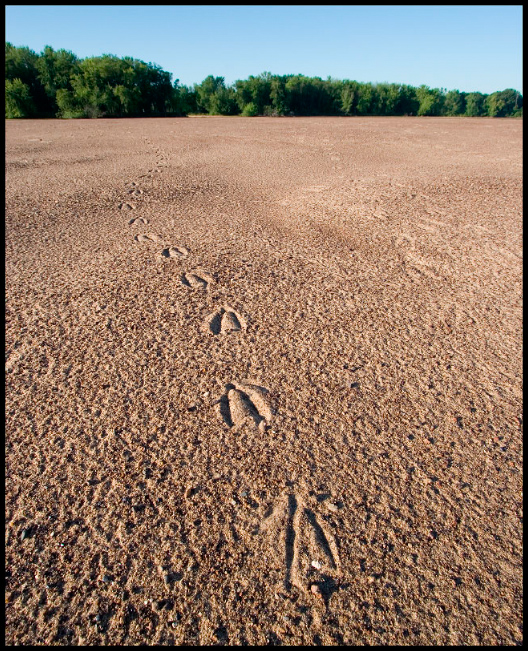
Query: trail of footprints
241	403
310	554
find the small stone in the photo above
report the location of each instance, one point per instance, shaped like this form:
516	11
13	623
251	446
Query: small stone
25	534
316	564
332	507
243	494
316	590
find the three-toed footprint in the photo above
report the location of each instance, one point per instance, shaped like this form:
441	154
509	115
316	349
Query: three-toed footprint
224	320
140	220
198	280
126	206
175	252
151	237
244	402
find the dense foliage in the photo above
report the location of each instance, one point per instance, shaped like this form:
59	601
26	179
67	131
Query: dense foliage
59	84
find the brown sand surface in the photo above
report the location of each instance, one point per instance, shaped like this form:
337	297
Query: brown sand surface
263	381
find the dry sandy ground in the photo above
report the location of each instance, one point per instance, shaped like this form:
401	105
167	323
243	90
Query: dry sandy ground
264	381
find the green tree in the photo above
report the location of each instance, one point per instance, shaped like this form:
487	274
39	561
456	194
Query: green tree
223	102
430	99
278	95
181	102
68	105
308	96
21	64
113	87
494	105
254	90
205	92
503	103
384	99
365	97
250	110
348	95
475	104
454	103
408	103
187	100
214	98
55	70
18	100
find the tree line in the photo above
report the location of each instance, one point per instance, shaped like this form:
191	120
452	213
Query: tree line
56	83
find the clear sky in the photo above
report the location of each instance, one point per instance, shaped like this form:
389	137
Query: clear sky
470	48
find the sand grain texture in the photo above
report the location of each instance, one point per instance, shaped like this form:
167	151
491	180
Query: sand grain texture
289	410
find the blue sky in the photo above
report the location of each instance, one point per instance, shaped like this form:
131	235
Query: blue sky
465	47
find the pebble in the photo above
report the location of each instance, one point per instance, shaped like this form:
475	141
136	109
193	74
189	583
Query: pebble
316	590
316	564
332	507
25	534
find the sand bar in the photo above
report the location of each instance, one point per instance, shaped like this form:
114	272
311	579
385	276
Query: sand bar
263	381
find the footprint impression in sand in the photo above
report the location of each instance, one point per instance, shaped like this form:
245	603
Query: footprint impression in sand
151	237
139	220
198	280
224	320
244	402
126	206
311	558
175	252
